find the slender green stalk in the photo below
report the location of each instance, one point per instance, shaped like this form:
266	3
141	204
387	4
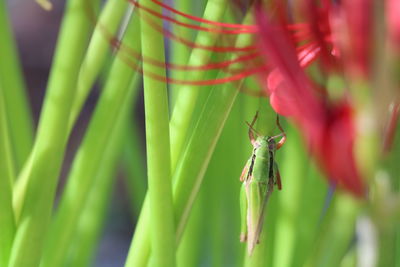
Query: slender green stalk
7	222
179	52
48	151
139	251
90	155
135	176
92	218
190	250
16	103
97	51
187	96
158	148
197	155
189	173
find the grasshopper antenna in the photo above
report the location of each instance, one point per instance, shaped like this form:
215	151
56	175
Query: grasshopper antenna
252	131
282	134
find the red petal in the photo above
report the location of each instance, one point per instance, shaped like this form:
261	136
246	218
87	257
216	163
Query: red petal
336	149
393	21
281	98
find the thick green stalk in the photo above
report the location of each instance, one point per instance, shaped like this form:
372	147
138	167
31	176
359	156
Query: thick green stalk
187	95
158	148
190	171
7	222
16	102
92	218
89	156
49	147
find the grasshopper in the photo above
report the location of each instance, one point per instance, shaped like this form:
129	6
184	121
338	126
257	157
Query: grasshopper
259	177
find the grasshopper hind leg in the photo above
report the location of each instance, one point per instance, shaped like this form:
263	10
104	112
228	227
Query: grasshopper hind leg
278	181
243	213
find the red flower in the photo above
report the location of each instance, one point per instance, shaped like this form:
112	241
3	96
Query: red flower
393	22
328	126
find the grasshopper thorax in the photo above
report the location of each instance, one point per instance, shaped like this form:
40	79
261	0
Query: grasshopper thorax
267	142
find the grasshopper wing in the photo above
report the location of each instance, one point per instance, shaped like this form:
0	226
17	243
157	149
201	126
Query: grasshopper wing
260	221
246	171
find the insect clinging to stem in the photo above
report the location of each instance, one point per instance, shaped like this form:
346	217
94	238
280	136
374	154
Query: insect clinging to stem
259	176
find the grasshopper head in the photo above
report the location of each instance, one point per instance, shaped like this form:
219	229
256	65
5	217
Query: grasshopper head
271	143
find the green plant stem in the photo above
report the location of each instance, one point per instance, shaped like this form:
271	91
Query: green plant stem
187	96
158	148
49	147
92	218
189	173
190	250
90	155
179	52
15	98
98	49
139	251
7	222
135	176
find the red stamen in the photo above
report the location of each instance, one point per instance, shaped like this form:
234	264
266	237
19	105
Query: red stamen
214	65
190	26
216	23
217	49
243	74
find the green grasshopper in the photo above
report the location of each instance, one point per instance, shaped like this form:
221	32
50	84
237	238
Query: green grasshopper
259	177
